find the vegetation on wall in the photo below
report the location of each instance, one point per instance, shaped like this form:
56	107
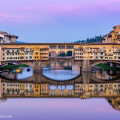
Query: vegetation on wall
12	66
106	66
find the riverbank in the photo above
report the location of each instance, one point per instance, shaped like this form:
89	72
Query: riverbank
12	66
106	66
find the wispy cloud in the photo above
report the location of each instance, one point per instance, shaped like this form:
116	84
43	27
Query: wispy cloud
37	11
12	16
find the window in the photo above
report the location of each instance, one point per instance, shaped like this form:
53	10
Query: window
70	47
26	57
21	58
30	57
36	53
53	47
61	47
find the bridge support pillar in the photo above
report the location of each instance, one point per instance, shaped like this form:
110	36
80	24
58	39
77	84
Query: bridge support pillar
85	77
86	66
37	66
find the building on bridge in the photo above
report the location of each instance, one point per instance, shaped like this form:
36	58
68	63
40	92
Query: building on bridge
106	89
37	52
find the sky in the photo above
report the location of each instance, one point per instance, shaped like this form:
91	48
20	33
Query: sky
51	21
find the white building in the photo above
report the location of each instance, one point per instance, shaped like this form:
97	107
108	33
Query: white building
7	38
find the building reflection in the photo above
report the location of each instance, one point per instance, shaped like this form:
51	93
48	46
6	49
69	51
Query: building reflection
75	89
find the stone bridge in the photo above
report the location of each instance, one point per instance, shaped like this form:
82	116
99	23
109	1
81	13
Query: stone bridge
85	65
88	64
37	65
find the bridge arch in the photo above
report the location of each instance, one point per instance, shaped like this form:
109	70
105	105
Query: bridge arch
93	63
61	53
53	87
69	53
52	54
69	87
61	87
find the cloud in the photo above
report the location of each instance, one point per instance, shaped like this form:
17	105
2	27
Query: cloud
51	11
12	16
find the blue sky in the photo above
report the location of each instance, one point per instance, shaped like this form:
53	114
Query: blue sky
58	21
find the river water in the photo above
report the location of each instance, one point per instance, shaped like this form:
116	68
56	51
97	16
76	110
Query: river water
88	104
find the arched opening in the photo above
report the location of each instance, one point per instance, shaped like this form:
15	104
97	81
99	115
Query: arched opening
52	54
61	54
16	71
69	53
61	87
53	87
69	87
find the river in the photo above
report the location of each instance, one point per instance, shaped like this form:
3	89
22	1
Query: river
60	92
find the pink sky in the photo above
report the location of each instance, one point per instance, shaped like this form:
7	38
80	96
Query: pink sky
52	15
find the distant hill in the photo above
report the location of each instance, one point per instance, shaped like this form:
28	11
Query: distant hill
96	39
80	41
19	42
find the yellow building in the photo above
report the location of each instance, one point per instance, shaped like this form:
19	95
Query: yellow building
36	90
41	51
36	54
21	88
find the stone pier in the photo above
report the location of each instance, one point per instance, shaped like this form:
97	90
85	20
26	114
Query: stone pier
37	66
86	66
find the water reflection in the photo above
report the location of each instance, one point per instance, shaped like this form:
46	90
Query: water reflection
96	84
61	71
75	89
105	74
25	72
